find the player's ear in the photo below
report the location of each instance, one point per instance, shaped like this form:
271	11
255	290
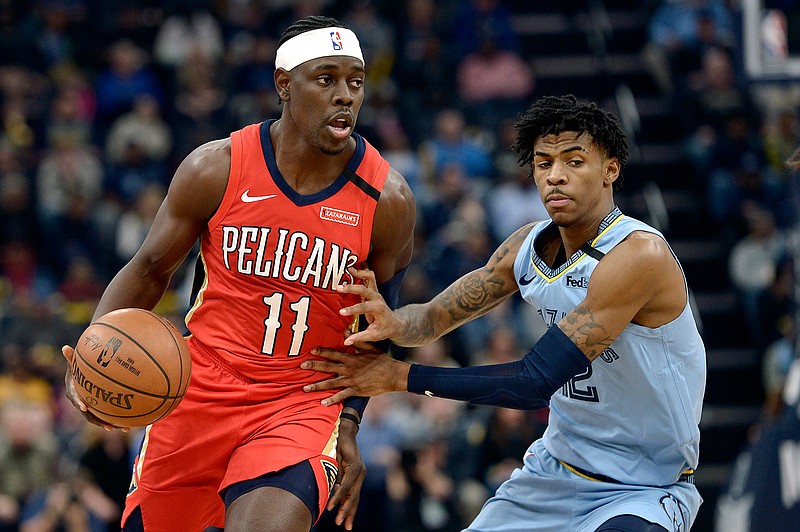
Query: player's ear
282	82
612	169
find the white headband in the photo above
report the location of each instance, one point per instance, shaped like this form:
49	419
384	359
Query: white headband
315	44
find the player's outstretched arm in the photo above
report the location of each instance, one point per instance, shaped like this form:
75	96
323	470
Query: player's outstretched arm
639	282
469	297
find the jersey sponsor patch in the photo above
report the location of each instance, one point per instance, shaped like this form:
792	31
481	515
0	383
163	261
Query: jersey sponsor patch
339	216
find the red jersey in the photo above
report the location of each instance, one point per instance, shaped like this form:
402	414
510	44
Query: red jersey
272	257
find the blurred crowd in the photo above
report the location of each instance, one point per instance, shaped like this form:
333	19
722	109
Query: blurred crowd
99	102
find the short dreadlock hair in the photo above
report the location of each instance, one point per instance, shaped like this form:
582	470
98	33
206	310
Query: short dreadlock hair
552	115
312	22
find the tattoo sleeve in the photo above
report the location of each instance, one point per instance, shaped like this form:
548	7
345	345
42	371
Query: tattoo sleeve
469	297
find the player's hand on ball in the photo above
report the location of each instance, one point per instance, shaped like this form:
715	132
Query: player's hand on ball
382	321
72	395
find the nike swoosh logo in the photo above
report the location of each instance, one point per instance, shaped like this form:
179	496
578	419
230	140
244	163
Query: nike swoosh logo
523	281
247	198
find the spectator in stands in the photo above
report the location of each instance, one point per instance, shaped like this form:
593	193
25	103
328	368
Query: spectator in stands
54	508
483	17
776	301
738	175
253	90
448	189
781	135
19	381
502	345
512	202
135	223
134	172
188	30
713	98
143	126
55	43
493	83
454	143
23	112
27	457
128	75
678	32
753	263
25	276
377	39
17	211
508	435
68	116
69	181
199	105
396	148
103	478
81	290
424	68
380	440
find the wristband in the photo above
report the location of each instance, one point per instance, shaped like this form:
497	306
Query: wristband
351	417
357	403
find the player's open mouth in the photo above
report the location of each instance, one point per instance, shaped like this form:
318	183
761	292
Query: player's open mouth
340	128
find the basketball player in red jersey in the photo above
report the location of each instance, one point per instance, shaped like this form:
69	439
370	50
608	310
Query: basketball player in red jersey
282	209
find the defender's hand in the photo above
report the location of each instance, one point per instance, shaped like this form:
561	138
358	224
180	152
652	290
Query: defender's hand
382	321
358	374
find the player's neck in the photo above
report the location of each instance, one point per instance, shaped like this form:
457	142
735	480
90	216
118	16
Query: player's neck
575	235
303	166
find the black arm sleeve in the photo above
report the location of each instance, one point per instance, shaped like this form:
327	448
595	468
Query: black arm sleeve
524	384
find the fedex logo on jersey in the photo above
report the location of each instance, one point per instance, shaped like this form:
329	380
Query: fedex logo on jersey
336	40
577	282
339	216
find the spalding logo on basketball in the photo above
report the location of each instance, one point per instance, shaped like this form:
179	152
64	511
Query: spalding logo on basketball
131	367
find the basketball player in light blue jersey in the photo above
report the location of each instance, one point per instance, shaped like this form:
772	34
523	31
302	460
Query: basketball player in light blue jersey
622	365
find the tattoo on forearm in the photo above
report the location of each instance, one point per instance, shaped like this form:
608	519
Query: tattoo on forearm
418	329
482	290
581	327
471	296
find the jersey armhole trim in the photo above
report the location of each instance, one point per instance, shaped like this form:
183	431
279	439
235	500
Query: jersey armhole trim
233	180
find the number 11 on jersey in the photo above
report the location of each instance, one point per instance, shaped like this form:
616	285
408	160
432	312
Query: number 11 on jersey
272	324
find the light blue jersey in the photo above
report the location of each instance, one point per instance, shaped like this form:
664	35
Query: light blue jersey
631	419
633	415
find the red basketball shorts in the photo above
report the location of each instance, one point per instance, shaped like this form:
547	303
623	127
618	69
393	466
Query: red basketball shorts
225	430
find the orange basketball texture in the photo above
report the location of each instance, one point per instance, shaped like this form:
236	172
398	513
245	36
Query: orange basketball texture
131	367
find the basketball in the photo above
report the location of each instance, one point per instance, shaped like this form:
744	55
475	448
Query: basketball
131	367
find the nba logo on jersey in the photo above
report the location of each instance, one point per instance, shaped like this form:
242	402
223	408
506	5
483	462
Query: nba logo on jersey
336	40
